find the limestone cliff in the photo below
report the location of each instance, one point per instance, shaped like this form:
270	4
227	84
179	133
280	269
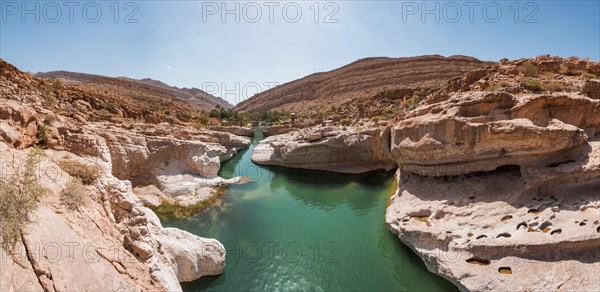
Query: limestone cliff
499	189
355	150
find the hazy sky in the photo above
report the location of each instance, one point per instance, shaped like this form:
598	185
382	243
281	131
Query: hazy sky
191	43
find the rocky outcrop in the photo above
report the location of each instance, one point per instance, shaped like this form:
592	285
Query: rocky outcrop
18	124
353	150
178	167
499	190
481	131
240	131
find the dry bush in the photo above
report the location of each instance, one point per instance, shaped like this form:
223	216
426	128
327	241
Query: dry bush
529	69
72	194
532	85
87	173
18	196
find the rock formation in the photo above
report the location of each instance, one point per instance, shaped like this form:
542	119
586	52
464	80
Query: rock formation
499	190
240	131
327	148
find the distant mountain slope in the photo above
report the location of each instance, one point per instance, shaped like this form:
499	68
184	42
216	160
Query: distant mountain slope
192	96
359	79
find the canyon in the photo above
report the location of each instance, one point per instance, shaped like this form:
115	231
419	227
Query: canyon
497	170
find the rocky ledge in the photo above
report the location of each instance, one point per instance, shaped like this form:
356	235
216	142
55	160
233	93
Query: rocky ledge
352	150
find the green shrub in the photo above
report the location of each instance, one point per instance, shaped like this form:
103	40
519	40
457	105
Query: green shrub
552	86
532	85
18	196
57	84
529	69
42	135
72	194
87	173
493	87
389	112
49	118
203	119
175	210
589	75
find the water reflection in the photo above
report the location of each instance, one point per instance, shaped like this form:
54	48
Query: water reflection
335	221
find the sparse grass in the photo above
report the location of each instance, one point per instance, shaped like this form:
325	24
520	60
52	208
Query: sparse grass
49	118
493	87
389	112
87	173
49	101
345	122
18	196
589	75
178	211
72	194
197	125
552	86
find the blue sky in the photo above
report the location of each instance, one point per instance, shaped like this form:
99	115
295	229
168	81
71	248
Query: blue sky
190	43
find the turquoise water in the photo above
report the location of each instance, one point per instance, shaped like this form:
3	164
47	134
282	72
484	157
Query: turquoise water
293	230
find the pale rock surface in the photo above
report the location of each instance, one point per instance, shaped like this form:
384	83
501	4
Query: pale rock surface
353	150
500	191
236	130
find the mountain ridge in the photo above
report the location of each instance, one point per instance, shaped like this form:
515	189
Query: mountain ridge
195	97
360	79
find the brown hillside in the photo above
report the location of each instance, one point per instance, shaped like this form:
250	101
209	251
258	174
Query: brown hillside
147	88
363	78
96	100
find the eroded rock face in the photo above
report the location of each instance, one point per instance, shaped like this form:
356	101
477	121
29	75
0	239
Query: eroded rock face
481	131
332	149
177	167
500	191
173	255
240	131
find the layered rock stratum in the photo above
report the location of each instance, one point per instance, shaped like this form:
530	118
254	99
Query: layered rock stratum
109	240
357	80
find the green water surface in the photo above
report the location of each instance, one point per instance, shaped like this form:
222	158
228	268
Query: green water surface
299	230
